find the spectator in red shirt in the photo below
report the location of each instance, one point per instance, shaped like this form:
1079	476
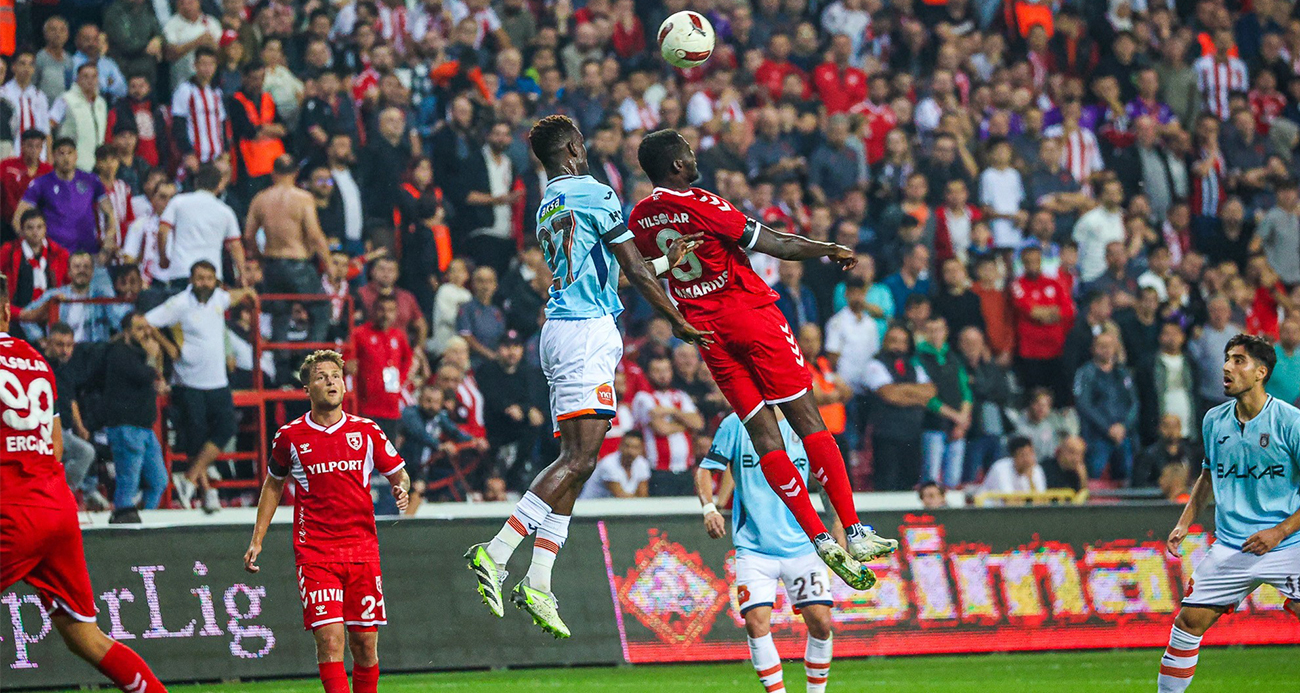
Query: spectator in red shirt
772	72
383	282
840	85
19	171
1044	314
380	362
32	263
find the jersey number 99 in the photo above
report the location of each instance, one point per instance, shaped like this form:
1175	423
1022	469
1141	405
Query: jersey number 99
693	269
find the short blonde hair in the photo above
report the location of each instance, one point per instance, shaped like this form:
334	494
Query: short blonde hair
315	357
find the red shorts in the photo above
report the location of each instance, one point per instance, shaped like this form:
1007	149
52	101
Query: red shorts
42	547
348	593
755	359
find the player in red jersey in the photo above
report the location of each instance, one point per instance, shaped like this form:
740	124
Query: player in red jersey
330	456
40	536
756	360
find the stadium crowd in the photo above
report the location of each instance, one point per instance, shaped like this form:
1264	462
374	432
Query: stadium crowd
1062	211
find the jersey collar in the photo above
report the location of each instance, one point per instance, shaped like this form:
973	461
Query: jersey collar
678	193
337	424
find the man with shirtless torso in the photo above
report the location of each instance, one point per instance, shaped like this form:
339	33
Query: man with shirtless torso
293	237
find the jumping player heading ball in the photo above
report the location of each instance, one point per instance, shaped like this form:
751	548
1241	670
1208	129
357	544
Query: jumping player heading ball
755	360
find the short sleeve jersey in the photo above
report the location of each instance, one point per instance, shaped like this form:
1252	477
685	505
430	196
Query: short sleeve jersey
762	524
716	278
29	473
1255	470
333	514
577	223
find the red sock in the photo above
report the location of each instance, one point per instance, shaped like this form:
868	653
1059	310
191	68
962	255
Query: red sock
827	465
365	679
334	676
783	477
125	668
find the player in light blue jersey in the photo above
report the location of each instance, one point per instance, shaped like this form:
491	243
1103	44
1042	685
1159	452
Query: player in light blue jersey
585	241
1252	471
770	545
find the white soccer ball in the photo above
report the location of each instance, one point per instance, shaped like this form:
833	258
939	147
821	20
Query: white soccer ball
686	39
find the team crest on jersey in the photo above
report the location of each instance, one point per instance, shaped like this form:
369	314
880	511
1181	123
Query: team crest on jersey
605	394
550	209
1263	440
354	440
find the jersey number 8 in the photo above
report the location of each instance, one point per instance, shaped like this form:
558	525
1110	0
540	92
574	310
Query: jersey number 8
693	269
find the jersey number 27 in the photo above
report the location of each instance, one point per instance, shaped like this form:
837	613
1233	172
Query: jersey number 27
559	238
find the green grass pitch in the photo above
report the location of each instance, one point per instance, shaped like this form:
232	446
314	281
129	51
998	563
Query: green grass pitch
1221	670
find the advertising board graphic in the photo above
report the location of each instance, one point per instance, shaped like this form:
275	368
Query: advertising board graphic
638	590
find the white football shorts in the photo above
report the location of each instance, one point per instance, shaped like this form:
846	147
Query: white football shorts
805	578
1227	575
579	358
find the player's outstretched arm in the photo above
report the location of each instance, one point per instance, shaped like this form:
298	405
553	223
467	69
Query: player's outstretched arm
272	491
1201	493
639	275
787	246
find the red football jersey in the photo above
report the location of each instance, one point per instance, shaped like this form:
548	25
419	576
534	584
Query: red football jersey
383	360
29	473
333	514
716	278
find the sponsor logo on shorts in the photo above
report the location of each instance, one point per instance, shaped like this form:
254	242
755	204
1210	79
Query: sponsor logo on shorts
323	596
354	440
605	394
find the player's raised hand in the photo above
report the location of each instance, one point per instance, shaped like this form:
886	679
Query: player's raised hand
1263	541
845	256
683	246
715	525
250	558
1175	540
402	497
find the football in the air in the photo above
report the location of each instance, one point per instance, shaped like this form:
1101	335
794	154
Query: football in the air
686	39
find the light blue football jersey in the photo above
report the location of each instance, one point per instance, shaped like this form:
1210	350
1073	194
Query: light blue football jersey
1255	470
760	521
577	222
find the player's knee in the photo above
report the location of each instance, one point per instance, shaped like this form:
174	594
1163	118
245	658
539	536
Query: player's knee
1194	621
329	644
365	650
819	627
757	625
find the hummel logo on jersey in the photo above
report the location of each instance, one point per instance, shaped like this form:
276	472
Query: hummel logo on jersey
1224	440
790	489
304	448
337	466
794	346
354	440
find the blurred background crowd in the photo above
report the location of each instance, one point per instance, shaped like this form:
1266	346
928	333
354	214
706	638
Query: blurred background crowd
1063	210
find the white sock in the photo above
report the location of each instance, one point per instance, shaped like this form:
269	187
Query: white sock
550	539
817	663
527	517
1179	661
762	652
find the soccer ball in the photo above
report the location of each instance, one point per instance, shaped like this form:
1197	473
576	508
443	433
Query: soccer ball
686	39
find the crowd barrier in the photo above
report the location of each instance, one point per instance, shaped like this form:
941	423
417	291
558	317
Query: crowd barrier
640	589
